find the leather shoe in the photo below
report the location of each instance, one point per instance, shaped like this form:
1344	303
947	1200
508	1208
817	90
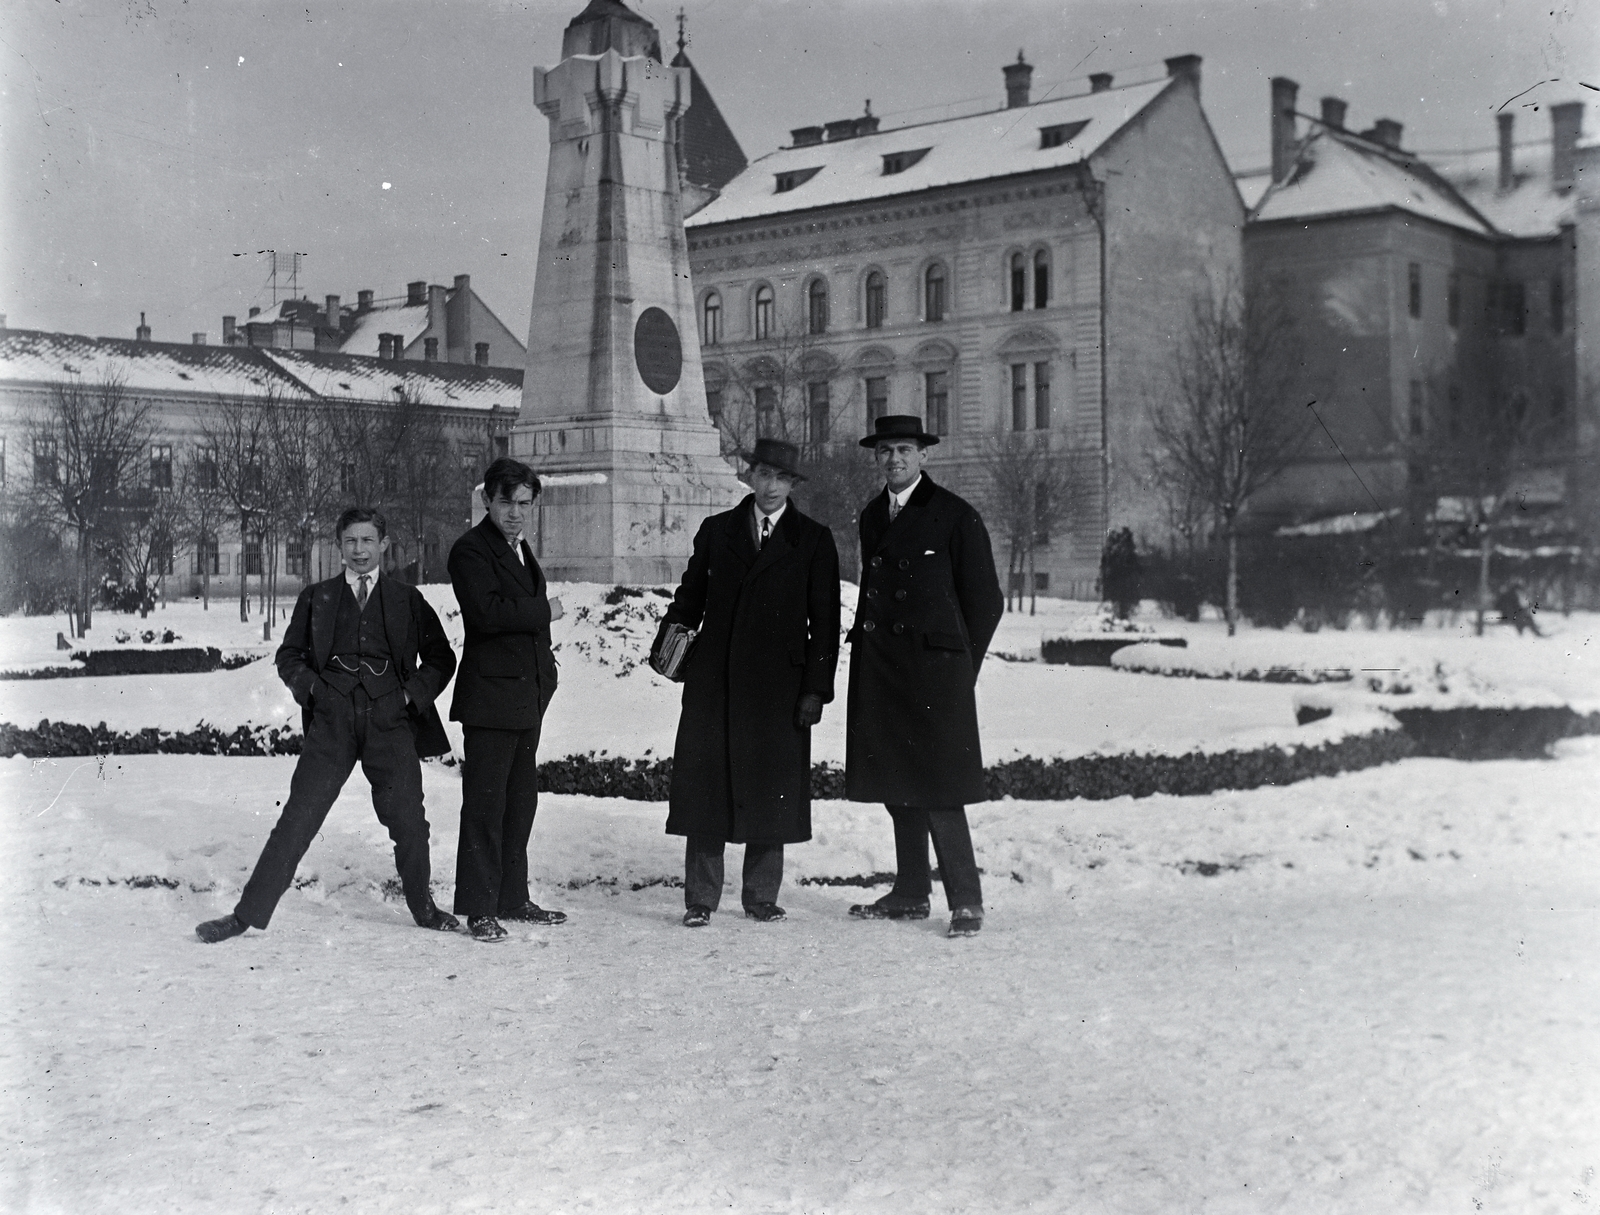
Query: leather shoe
697	916
532	913
220	929
485	928
767	913
889	907
965	921
438	919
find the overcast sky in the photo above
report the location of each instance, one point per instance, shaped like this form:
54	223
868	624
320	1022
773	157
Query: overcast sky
149	148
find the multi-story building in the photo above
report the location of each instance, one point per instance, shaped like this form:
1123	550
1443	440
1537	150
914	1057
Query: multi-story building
430	323
1422	291
1026	269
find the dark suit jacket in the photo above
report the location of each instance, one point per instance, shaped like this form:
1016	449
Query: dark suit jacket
508	673
769	632
421	652
930	603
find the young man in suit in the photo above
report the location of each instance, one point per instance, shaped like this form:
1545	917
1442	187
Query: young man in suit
930	603
508	675
365	657
762	587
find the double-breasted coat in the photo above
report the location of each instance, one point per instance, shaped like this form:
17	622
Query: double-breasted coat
417	643
769	633
508	672
930	603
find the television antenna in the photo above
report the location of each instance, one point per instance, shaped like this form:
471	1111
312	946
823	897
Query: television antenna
286	266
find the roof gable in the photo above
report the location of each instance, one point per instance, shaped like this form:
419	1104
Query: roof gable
712	156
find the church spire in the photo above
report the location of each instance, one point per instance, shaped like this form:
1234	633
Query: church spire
683	38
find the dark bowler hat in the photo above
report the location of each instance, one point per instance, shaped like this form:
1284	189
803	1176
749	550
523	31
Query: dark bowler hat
775	453
899	426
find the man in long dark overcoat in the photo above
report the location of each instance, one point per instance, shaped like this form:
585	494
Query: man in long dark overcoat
763	589
930	603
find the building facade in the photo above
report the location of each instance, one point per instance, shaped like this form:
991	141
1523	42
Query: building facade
1022	272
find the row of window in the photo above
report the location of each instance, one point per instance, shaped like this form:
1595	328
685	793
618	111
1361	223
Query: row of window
1028	285
1506	301
1520	403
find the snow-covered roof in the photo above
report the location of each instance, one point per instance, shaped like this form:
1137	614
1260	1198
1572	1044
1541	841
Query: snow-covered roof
410	321
1341	174
1530	208
1341	525
156	367
167	368
973	148
345	377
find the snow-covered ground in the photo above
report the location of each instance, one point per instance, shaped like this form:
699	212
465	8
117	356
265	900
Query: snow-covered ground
1368	993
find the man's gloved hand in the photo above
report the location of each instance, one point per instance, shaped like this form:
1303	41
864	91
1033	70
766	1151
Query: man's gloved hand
807	711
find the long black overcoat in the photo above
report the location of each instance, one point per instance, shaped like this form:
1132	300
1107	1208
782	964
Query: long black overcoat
421	652
930	603
769	632
508	672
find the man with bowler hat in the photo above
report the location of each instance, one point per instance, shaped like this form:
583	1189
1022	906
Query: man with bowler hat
507	677
364	657
930	602
762	587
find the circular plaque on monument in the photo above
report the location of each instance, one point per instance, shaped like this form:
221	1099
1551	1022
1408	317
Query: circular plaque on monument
657	350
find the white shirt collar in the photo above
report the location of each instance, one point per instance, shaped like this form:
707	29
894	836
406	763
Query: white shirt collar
353	579
774	516
904	496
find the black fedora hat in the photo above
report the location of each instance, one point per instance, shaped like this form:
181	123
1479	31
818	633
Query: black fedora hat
775	453
898	426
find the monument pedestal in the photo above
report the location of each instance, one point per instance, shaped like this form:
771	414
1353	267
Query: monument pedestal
614	415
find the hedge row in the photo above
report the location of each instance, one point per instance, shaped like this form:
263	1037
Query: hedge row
1092	776
191	660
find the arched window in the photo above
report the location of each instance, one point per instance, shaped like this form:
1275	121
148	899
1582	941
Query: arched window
933	293
1019	282
711	320
763	313
817	306
876	300
1041	279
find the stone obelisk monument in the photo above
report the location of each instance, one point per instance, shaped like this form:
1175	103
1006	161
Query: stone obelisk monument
613	402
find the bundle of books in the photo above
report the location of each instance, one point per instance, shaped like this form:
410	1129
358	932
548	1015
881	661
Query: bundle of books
672	651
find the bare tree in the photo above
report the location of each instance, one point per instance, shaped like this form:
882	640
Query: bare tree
88	442
152	519
1029	491
305	479
424	484
239	433
1230	427
201	511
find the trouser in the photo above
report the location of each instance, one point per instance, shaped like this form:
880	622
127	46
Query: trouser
952	843
702	872
345	729
499	797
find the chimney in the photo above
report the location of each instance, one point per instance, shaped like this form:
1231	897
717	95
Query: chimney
255	310
1385	131
804	137
1284	92
480	353
438	317
1100	82
385	346
1019	79
844	128
1508	168
228	334
417	293
198	339
1185	67
867	124
1566	125
430	349
463	283
1333	110
364	300
142	333
332	310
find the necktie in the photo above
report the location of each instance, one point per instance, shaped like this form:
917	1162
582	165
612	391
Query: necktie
894	507
766	529
361	592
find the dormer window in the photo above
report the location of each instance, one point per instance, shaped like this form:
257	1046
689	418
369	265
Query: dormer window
795	177
899	162
1054	137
